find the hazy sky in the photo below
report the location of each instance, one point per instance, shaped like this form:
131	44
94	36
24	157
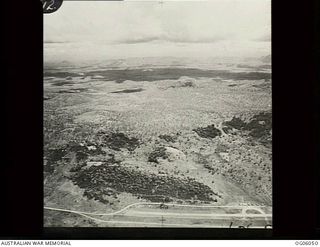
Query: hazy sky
142	28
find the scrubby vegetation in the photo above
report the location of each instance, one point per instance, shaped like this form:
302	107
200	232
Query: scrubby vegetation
52	156
159	152
208	132
110	179
100	150
235	123
211	169
259	127
168	138
82	152
116	141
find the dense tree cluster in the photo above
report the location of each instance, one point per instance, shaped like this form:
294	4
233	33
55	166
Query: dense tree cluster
112	178
259	127
208	132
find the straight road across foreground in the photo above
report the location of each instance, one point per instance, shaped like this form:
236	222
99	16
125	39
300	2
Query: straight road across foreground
181	215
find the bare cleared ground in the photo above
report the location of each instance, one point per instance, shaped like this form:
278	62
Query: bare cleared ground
117	135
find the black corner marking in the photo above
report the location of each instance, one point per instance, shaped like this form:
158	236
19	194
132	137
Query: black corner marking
50	6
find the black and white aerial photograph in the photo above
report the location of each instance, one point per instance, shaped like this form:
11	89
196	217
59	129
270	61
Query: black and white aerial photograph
158	114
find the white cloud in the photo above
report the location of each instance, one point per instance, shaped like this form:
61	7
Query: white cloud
152	23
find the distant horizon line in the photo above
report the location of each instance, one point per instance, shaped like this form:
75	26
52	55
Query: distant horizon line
153	41
98	61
